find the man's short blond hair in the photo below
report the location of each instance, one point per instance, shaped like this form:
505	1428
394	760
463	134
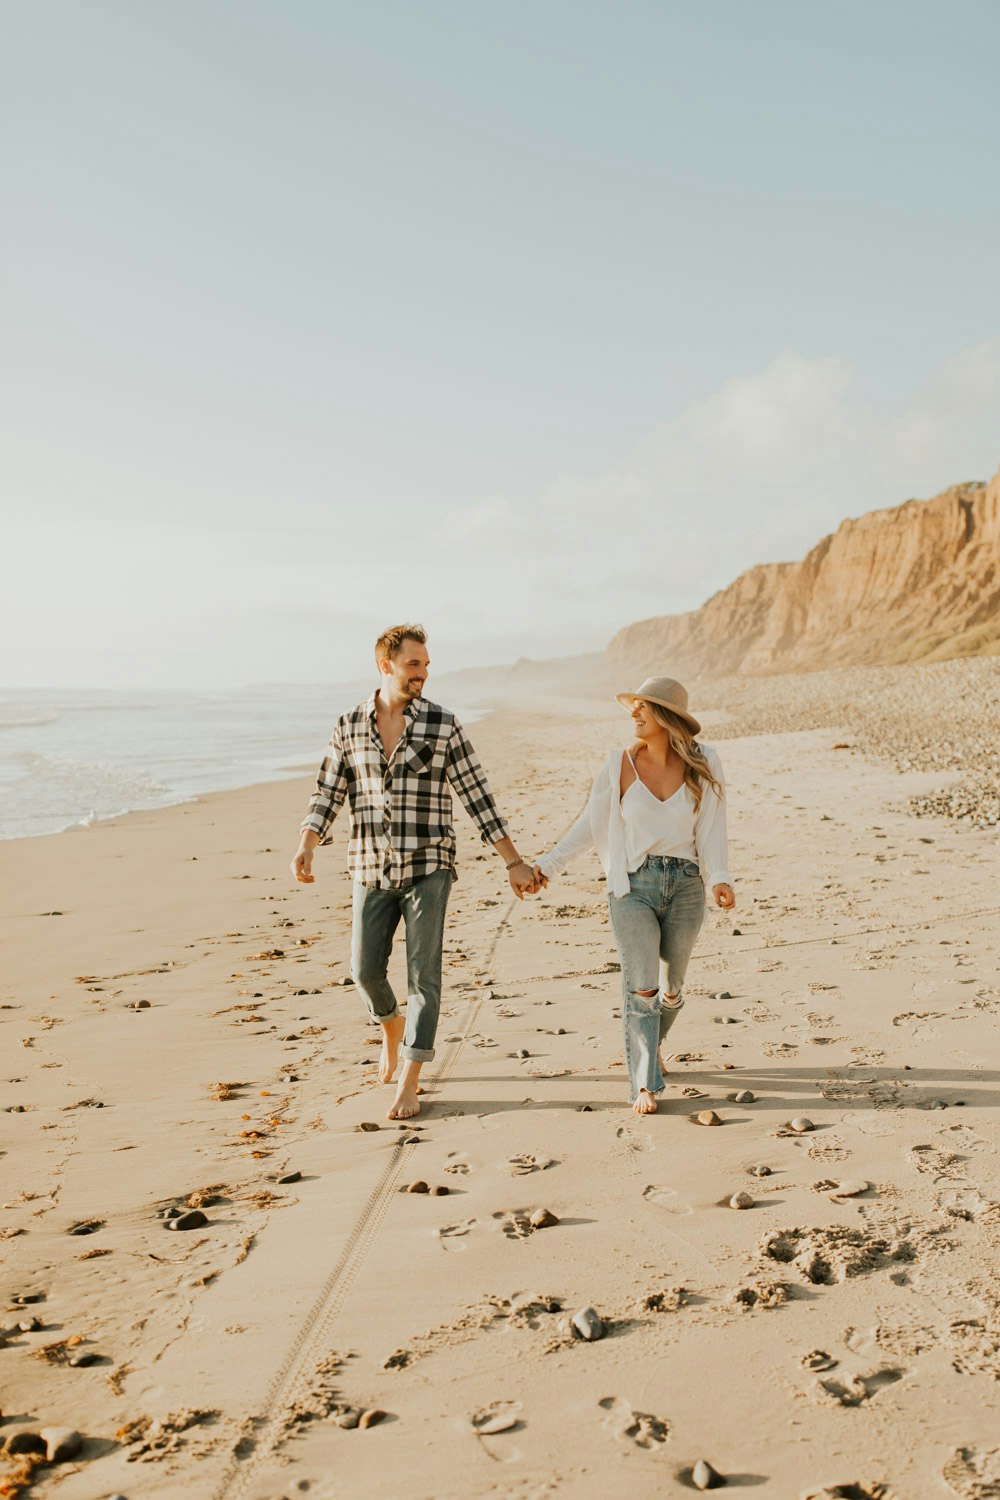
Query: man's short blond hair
388	644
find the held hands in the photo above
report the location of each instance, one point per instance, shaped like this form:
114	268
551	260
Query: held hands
525	881
724	896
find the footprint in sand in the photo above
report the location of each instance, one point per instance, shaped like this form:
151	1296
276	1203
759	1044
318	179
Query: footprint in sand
974	1473
630	1140
452	1236
520	1166
829	1150
936	1163
644	1430
854	1390
779	1049
457	1164
668	1198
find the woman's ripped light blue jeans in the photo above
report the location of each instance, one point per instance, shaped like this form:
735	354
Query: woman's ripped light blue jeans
655	927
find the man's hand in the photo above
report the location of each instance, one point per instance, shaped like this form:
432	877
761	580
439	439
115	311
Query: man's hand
301	865
541	880
522	880
724	896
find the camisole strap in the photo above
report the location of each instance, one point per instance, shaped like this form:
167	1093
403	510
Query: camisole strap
631	761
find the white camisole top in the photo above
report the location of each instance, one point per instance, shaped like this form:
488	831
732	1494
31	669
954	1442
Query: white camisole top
655	827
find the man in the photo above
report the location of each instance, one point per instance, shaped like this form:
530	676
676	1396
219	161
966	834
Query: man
395	758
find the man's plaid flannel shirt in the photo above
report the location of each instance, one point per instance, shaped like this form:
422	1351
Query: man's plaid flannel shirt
401	824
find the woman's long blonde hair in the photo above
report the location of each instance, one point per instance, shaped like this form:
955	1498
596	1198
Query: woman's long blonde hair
696	767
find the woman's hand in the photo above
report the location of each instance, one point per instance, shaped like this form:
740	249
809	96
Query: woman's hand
724	896
541	881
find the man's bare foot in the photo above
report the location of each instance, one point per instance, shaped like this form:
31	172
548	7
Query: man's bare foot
645	1104
392	1036
406	1104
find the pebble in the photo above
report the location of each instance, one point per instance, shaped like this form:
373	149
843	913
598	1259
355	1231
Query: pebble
741	1200
193	1219
368	1125
23	1299
289	1177
801	1124
88	1357
24	1442
542	1218
170	1213
818	1359
349	1419
30	1325
418	1187
761	1171
347	981
371	1417
706	1117
440	1191
500	1422
723	995
937	1104
585	1109
589	1324
61	1443
745	1096
138	1005
522	1052
411	1140
704	1477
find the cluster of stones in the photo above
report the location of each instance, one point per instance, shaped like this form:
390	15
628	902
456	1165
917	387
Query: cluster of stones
941	716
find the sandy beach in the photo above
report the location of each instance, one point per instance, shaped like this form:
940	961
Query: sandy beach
180	1033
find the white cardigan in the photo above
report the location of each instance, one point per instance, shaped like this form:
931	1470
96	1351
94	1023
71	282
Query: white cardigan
702	836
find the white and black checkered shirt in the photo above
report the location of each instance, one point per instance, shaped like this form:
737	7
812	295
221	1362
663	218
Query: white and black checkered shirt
401	825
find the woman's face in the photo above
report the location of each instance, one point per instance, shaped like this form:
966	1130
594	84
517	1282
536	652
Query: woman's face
646	727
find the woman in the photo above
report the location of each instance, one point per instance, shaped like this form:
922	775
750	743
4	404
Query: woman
657	818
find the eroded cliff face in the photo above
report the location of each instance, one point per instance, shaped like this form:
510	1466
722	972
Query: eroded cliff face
918	582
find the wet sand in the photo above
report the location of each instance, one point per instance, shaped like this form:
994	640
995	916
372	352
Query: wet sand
176	1035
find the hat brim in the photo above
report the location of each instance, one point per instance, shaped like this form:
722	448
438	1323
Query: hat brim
629	698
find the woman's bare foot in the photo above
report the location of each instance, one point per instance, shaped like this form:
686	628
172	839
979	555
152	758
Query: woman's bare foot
392	1036
406	1104
645	1104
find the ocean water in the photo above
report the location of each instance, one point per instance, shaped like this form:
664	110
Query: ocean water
69	758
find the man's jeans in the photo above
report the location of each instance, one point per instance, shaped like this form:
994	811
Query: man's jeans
655	924
422	906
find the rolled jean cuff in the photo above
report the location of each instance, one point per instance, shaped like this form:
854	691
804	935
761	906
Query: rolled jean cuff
416	1054
389	1016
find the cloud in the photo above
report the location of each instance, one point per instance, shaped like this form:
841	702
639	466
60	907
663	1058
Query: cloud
759	471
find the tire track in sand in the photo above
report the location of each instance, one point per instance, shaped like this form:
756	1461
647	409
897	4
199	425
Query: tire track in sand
293	1375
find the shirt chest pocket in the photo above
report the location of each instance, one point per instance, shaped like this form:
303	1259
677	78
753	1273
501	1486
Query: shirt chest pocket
422	758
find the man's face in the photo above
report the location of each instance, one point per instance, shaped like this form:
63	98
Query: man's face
408	671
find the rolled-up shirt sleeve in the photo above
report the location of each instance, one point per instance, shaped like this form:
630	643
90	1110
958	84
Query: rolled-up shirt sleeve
710	833
467	776
331	790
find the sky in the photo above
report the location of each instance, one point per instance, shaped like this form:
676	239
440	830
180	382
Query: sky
523	320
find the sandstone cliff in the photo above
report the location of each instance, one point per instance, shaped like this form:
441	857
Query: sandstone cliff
917	582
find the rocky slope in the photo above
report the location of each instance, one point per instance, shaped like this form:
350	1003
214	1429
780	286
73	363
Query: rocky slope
917	582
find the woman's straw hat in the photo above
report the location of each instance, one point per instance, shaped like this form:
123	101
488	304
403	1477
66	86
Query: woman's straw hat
668	693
